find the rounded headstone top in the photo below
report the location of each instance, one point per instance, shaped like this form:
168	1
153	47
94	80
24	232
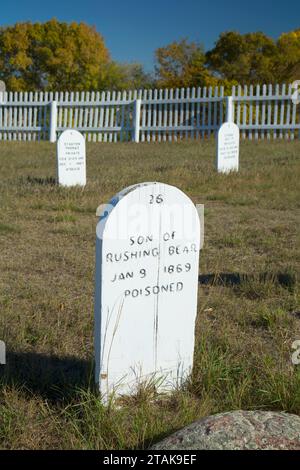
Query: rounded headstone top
237	430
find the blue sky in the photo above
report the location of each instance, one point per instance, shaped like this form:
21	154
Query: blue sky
133	29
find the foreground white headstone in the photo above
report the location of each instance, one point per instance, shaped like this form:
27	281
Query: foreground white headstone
147	257
228	148
71	161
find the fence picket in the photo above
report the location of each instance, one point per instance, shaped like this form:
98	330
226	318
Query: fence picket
10	115
257	112
209	119
154	117
245	93
276	112
215	113
15	124
187	111
294	115
76	110
181	119
106	114
19	97
165	115
122	117
71	110
204	113
250	112
269	112
198	113
288	112
149	115
263	113
5	118
282	111
221	107
1	118
170	121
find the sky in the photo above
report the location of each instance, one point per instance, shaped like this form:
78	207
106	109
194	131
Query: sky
133	29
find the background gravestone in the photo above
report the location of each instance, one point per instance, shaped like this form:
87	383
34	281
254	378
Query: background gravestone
71	159
147	257
228	148
2	353
2	91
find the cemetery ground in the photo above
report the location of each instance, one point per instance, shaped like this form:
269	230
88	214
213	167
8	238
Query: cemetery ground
248	306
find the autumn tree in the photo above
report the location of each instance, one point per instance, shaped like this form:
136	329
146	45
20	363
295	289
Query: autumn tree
248	58
125	76
181	64
52	56
288	56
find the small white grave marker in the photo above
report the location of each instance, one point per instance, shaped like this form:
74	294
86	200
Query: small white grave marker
2	90
147	257
228	148
71	161
2	353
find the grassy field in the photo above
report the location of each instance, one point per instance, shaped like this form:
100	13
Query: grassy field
248	309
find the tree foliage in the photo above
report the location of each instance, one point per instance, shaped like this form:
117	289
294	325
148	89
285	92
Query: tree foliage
247	58
256	58
52	56
288	59
180	64
125	76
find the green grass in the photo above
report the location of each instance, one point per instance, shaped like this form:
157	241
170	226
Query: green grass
248	309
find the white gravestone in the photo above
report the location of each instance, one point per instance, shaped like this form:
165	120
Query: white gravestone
71	161
2	353
228	148
2	91
147	258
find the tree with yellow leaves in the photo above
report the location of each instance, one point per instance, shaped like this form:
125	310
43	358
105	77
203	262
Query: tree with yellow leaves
288	60
52	56
182	64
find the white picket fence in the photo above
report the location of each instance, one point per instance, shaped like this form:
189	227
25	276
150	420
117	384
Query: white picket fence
150	115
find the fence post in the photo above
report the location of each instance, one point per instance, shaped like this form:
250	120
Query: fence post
229	109
136	120
53	121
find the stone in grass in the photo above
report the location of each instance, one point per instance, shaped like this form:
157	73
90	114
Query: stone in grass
237	430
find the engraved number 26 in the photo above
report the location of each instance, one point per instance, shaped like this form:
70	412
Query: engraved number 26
158	199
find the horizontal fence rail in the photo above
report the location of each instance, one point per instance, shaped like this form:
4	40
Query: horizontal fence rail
265	111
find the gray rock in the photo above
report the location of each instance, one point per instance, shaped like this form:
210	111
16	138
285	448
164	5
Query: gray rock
237	430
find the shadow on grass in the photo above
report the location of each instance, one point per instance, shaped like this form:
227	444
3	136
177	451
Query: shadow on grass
286	280
49	181
53	378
